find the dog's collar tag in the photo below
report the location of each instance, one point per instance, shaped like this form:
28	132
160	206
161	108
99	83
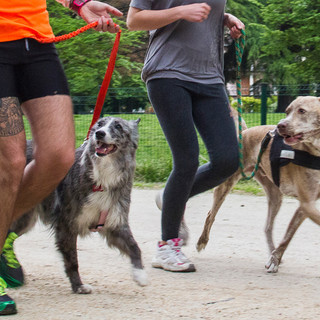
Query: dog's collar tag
97	188
287	154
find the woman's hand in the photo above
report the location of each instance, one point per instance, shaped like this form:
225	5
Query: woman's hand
196	12
234	24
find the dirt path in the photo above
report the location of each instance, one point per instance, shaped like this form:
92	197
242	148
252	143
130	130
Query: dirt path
230	282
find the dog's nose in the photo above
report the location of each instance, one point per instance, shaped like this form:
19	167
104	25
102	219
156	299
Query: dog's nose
100	134
282	126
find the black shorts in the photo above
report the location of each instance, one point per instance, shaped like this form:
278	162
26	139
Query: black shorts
29	69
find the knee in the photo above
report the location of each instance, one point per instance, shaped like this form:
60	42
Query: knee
12	169
55	164
187	168
62	162
230	165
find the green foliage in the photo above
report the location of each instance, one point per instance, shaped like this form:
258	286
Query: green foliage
85	58
282	39
282	45
249	12
249	104
289	42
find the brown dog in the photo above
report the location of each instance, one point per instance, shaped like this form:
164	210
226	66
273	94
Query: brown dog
301	130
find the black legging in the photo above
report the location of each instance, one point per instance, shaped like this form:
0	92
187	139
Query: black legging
180	107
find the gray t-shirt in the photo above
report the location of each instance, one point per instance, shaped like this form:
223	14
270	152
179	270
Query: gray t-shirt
185	50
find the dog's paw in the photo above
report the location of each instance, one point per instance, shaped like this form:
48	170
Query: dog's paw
272	265
201	245
84	289
140	277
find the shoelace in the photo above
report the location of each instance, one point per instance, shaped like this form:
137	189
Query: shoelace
8	251
3	285
178	253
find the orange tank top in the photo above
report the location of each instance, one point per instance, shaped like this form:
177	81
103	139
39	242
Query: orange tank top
24	19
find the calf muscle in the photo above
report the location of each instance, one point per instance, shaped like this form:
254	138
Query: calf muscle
12	164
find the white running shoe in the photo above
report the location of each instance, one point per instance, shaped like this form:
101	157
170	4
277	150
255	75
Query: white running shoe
170	257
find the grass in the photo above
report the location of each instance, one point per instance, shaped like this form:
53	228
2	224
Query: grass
154	162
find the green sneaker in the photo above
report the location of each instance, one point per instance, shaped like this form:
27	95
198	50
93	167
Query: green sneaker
10	268
7	305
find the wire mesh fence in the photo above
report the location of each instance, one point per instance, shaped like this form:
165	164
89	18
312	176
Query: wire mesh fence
153	155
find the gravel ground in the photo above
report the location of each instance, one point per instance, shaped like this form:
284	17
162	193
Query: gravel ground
230	282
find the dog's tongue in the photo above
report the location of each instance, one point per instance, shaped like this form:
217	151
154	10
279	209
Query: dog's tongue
293	139
104	148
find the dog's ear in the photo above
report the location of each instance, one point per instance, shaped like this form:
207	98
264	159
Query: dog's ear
134	123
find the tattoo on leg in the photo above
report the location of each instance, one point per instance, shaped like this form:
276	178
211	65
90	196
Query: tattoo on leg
11	121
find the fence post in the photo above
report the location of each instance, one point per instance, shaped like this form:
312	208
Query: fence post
264	98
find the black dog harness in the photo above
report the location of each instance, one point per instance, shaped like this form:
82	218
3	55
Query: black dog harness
281	154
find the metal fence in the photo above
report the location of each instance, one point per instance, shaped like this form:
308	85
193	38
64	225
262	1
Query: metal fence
264	105
264	100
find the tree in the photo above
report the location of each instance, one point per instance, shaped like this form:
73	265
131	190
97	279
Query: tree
85	58
249	12
289	45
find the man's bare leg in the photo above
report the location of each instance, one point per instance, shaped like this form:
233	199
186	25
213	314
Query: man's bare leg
52	126
12	160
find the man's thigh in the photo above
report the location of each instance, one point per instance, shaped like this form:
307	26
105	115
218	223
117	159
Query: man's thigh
51	122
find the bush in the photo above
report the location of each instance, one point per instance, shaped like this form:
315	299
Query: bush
272	103
249	104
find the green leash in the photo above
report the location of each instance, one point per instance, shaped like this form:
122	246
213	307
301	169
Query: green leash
239	43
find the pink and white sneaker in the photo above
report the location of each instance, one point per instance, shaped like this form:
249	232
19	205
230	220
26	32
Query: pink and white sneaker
170	257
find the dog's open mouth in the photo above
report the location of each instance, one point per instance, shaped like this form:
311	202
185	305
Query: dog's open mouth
103	149
293	139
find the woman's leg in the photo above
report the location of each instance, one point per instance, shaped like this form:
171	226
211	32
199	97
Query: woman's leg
173	105
214	121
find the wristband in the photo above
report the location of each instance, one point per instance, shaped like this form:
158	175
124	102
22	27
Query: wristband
76	5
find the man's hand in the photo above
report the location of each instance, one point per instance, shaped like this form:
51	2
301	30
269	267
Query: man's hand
98	11
234	25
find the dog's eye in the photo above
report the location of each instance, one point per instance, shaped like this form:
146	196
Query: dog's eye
301	111
118	126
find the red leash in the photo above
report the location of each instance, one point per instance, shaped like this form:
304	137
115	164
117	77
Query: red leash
107	77
105	83
69	35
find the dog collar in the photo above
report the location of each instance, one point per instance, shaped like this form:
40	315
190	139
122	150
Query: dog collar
96	188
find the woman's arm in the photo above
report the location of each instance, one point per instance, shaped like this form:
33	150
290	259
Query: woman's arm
154	19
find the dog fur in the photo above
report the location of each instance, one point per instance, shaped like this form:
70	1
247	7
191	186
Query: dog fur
94	196
301	130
